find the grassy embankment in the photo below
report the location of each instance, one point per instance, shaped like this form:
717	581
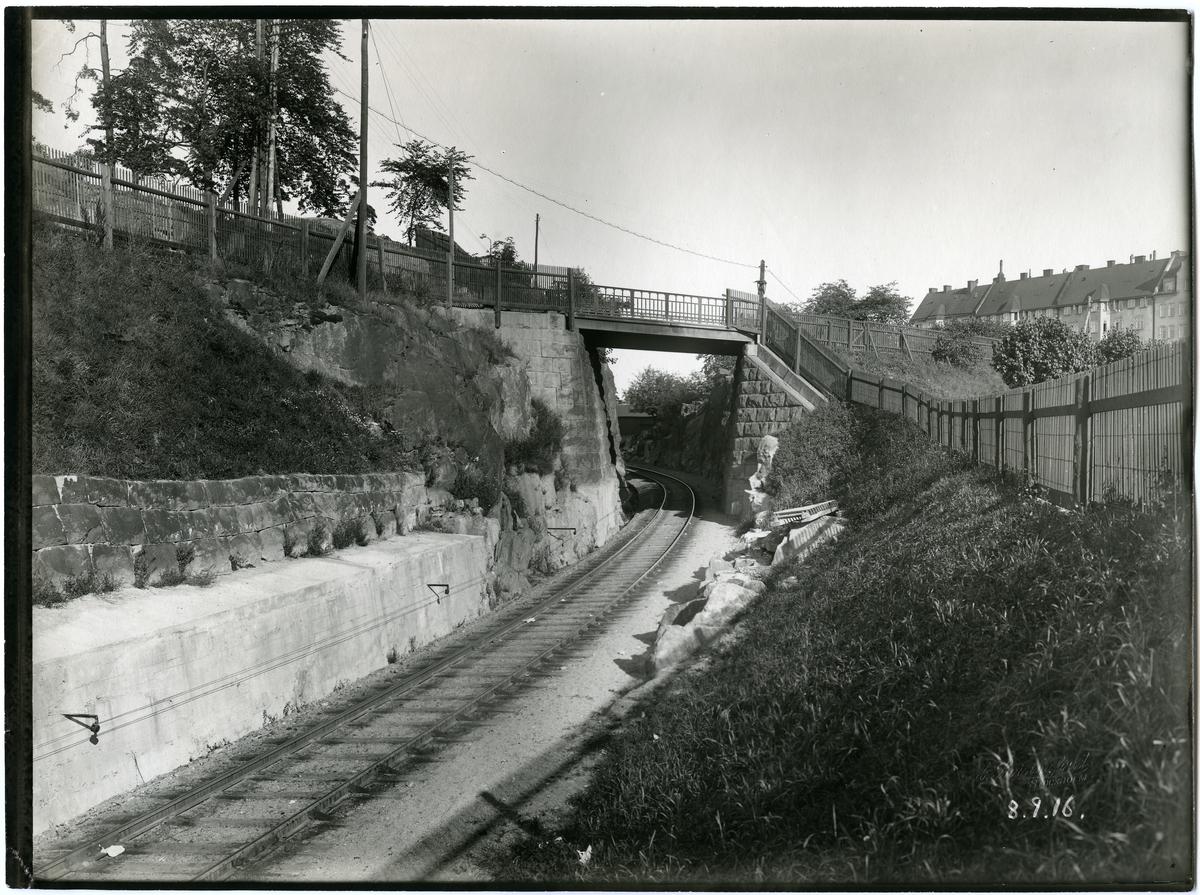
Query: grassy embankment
137	374
970	685
938	379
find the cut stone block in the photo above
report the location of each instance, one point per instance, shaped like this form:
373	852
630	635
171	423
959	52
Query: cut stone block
123	525
48	530
81	522
114	560
211	556
246	549
45	491
94	490
271	544
158	560
54	564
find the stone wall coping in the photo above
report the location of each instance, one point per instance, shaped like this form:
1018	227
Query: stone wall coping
50	490
131	614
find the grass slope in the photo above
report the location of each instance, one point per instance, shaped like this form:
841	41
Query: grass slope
898	707
940	380
137	374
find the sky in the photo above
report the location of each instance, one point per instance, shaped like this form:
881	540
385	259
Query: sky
920	152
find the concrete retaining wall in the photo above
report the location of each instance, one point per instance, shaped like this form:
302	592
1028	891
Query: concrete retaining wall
172	672
89	523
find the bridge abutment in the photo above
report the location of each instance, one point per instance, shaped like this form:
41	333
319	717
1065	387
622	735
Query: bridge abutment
763	404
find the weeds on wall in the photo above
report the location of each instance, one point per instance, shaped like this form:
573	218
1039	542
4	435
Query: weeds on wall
47	593
536	452
473	483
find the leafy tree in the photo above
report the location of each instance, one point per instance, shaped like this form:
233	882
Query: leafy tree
41	103
1118	344
195	101
882	304
1041	348
832	299
501	251
956	343
715	367
664	394
419	189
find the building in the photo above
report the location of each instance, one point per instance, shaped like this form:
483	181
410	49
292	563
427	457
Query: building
1151	296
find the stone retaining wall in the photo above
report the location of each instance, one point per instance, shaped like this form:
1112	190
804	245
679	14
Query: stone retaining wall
84	524
761	407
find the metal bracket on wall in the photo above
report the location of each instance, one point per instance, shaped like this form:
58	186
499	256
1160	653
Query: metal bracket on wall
444	593
94	727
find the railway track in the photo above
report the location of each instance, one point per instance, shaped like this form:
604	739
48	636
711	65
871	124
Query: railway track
207	832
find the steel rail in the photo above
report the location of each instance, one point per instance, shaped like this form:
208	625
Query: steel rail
439	667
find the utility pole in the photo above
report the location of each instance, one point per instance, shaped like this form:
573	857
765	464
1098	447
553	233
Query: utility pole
252	199
450	266
360	228
537	231
271	174
106	169
762	279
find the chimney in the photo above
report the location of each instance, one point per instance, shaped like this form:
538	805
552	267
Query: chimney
971	284
933	289
1048	271
945	288
1112	263
1153	255
1081	267
1139	259
1024	276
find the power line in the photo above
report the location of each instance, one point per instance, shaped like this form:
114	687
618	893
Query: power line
585	214
784	285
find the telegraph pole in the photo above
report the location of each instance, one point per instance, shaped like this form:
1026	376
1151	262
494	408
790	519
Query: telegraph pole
537	230
271	174
360	228
762	279
450	266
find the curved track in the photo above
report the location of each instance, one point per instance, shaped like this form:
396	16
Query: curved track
206	833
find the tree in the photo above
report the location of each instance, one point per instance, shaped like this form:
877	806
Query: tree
664	394
195	101
882	304
1041	348
715	367
956	341
420	186
832	299
501	251
1118	344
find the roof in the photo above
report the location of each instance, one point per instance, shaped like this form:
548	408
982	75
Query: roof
1109	283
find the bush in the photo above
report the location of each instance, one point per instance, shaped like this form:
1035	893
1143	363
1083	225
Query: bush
1040	349
956	345
1118	344
536	453
475	484
865	459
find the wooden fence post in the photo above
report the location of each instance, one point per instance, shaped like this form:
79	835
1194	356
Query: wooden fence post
304	245
728	309
880	398
499	290
106	189
1027	458
382	271
1079	477
571	299
211	198
849	384
999	434
975	431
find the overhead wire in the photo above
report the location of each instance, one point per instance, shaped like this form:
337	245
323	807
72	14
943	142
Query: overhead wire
784	285
571	208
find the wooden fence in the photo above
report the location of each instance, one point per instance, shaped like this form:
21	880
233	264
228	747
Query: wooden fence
841	334
1123	430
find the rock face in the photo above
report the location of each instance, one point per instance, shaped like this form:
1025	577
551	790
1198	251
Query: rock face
697	442
450	378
